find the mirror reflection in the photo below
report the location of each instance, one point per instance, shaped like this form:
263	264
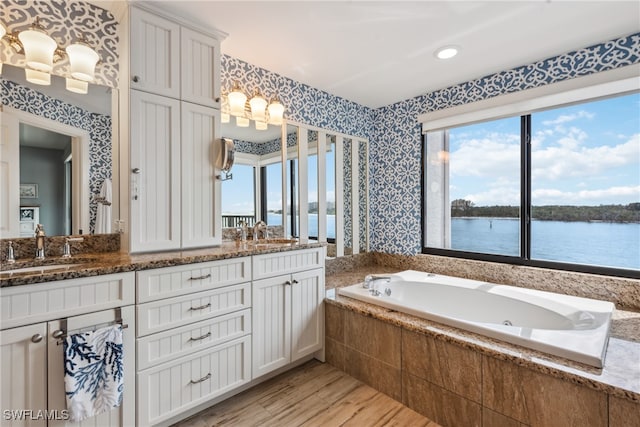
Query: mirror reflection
333	165
63	161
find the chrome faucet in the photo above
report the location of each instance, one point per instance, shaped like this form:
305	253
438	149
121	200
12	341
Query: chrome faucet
66	249
370	284
260	227
40	241
11	258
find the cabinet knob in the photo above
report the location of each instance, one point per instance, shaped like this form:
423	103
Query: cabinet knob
295	282
58	334
288	283
36	338
136	171
217	99
136	79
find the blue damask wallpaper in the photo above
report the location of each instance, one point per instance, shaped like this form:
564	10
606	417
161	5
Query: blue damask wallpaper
395	152
394	133
99	127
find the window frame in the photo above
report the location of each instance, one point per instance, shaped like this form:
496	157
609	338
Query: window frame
525	212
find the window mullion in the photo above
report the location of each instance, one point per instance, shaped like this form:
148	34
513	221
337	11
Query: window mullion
525	187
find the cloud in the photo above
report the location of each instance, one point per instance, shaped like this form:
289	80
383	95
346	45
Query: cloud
611	195
499	195
493	156
568	160
566	118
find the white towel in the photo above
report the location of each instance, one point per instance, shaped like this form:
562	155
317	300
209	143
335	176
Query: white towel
93	372
103	215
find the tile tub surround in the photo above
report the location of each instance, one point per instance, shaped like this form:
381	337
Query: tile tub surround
459	378
95	264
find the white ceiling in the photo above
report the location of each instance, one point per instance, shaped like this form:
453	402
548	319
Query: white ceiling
377	53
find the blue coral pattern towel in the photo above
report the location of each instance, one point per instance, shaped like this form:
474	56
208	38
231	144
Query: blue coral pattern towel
93	372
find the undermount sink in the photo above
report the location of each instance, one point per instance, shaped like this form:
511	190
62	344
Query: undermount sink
38	269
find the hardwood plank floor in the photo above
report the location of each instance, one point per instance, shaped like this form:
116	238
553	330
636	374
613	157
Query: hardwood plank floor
312	395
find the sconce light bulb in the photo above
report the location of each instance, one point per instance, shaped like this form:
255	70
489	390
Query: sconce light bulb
38	48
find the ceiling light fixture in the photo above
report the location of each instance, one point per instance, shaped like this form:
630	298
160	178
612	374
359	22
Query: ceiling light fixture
41	53
258	109
446	52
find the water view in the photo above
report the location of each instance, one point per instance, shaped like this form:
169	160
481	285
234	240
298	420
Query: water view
607	244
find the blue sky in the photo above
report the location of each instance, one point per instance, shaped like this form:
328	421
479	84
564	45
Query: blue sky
237	196
586	154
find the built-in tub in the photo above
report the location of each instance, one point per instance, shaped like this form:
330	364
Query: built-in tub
566	326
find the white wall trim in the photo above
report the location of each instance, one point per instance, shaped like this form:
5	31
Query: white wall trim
594	86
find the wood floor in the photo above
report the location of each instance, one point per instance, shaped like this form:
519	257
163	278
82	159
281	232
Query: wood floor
314	394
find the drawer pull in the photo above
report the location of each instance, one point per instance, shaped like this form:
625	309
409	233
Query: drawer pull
206	377
202	307
36	338
206	276
58	334
207	335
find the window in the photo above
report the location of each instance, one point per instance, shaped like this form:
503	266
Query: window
578	181
238	197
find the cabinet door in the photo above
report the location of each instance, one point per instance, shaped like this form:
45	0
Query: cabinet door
121	416
200	68
155	172
271	329
23	352
307	313
155	54
201	222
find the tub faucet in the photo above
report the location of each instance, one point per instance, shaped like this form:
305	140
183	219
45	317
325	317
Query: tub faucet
40	241
260	227
370	280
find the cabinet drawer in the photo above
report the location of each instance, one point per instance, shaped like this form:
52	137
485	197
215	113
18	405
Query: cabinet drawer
274	264
170	313
171	388
185	279
22	305
165	346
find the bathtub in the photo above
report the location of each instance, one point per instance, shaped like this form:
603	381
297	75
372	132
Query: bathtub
566	326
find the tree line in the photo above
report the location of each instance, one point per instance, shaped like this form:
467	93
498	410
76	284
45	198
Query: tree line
604	213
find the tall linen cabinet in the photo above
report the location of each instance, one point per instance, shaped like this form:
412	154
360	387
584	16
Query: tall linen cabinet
174	132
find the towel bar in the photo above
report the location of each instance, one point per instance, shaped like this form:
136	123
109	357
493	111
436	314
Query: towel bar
61	333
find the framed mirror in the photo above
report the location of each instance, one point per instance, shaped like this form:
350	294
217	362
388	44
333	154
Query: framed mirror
61	143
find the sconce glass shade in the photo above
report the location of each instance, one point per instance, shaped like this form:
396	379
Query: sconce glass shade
38	48
225	118
242	122
237	99
82	60
37	77
258	107
261	125
276	112
77	86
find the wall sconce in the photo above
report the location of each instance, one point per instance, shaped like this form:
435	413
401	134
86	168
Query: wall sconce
41	52
256	109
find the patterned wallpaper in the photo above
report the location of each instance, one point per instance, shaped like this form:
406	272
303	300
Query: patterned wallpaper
394	131
66	21
396	139
99	127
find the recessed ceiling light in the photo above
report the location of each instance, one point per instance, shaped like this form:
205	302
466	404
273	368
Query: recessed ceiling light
446	52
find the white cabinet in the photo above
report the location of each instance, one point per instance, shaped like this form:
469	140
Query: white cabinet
155	54
23	352
155	177
201	197
175	125
200	68
288	316
32	357
194	343
174	61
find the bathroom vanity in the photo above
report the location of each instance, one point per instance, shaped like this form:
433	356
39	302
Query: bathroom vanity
196	330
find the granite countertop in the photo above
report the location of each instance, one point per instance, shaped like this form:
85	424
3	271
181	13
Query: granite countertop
86	265
620	375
